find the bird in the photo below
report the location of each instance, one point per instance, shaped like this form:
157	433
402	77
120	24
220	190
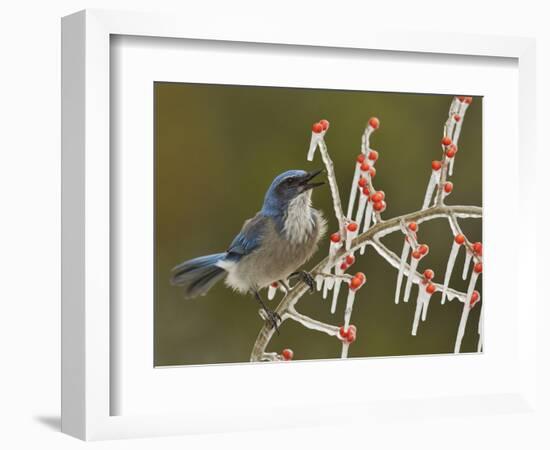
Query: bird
270	247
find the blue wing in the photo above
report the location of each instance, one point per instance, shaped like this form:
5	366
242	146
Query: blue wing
249	239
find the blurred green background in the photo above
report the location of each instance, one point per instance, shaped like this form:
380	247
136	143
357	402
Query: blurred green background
217	149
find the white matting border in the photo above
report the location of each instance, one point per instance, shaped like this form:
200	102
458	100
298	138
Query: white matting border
86	227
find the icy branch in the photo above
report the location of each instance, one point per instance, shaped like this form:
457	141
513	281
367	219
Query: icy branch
330	273
312	324
333	187
370	237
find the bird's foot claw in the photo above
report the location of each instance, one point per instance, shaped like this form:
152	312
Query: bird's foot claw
273	319
307	278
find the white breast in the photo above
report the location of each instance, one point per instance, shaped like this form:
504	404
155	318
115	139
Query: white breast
299	221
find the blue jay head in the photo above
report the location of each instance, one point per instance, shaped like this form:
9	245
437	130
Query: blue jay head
286	187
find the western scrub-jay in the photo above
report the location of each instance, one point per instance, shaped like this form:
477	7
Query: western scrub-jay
271	246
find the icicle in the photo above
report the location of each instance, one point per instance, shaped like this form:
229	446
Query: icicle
351	234
349	308
335	245
465	311
345	348
316	137
404	256
272	290
434	179
419	304
448	272
319	280
461	112
356	283
353	192
337	283
412	270
425	305
361	209
329	283
467	261
366	224
368	217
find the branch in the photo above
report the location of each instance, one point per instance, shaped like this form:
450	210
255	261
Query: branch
394	260
286	307
311	323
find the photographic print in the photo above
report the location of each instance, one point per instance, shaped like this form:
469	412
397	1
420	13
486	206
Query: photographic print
300	224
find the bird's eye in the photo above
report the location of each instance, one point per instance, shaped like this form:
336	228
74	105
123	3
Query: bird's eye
290	180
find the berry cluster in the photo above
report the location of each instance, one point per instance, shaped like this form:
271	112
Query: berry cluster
287	354
319	127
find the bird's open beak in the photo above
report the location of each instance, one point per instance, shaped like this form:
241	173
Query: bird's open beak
306	186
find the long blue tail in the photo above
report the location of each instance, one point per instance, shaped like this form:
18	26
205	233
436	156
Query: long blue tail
198	275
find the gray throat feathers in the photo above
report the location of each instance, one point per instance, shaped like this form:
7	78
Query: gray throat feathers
299	220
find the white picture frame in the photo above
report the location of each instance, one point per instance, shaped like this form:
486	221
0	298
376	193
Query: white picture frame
86	246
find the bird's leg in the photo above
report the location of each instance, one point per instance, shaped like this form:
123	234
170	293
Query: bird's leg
272	316
306	277
286	286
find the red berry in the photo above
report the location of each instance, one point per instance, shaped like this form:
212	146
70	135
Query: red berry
457	117
478	248
366	191
461	98
317	127
429	274
350	259
377	196
379	206
423	249
451	152
360	158
478	268
287	354
474	298
373	155
446	141
325	124
413	226
352	226
355	283
352	335
430	289
335	237
361	276
468	100
348	335
372	172
459	239
344	266
448	187
374	122
436	165
362	182
365	166
416	254
274	284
